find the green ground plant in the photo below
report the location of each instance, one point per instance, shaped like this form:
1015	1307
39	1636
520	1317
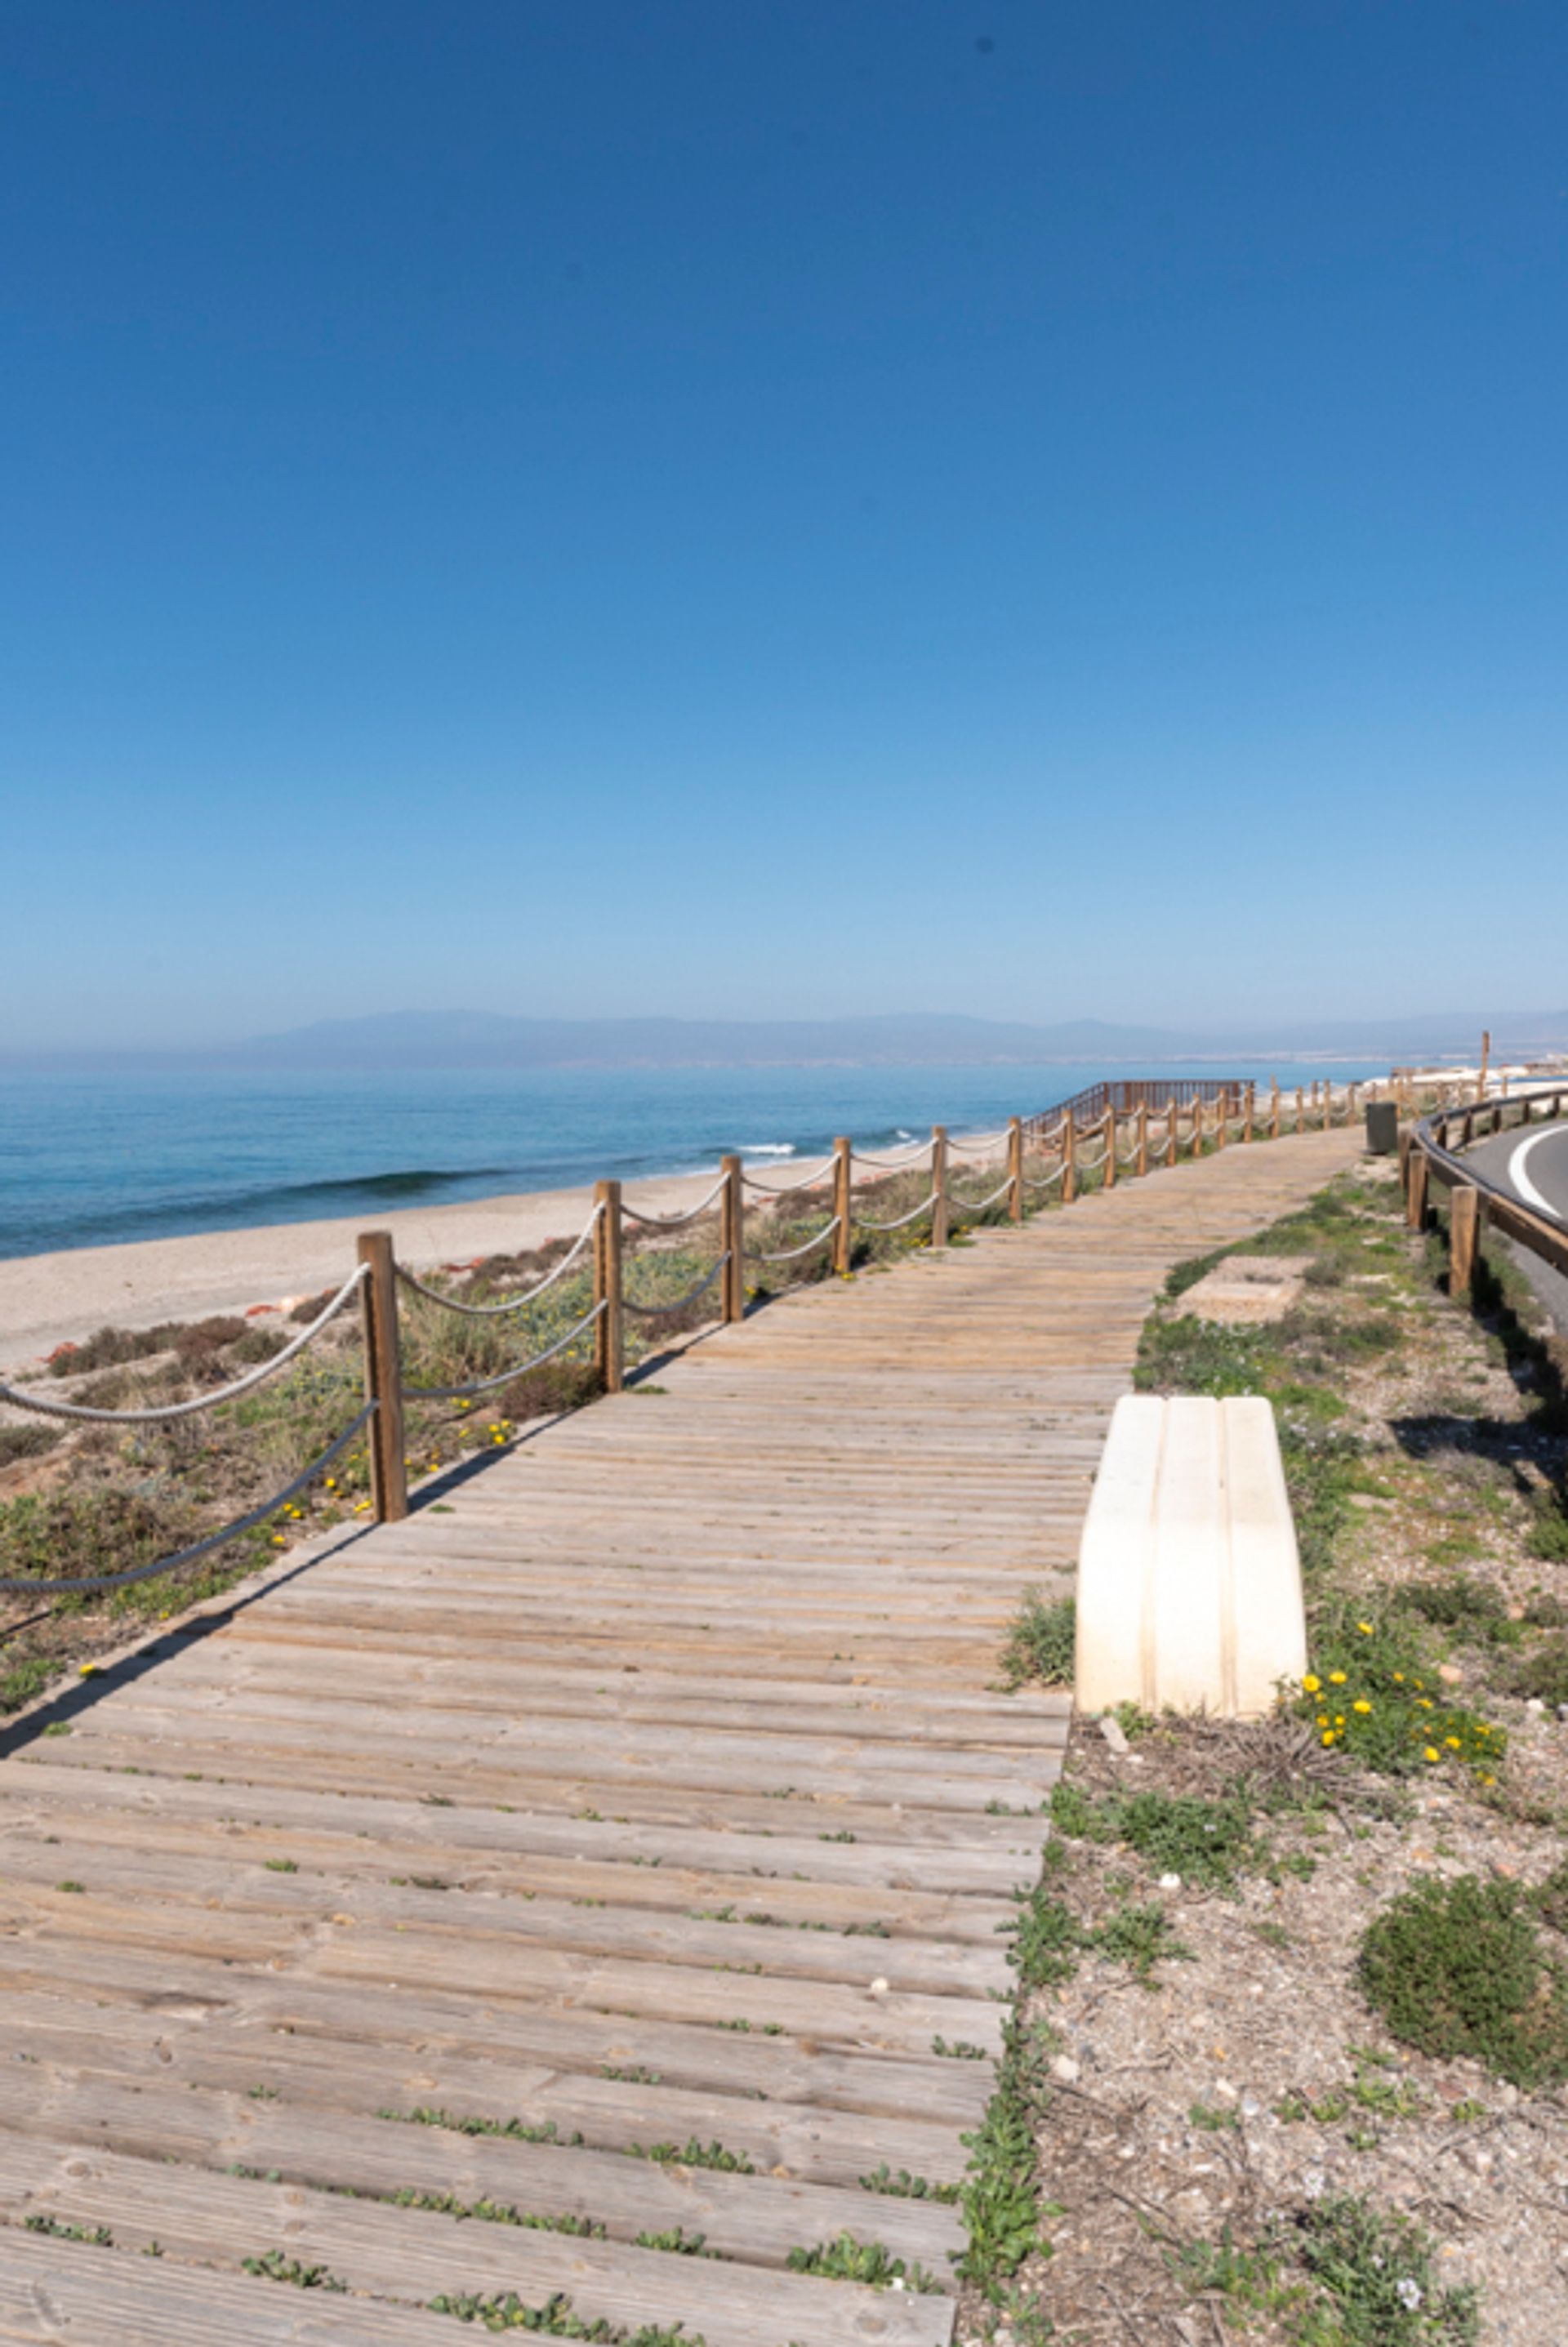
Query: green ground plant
557	2318
845	2259
1208	1840
1374	1693
1041	1642
1456	1969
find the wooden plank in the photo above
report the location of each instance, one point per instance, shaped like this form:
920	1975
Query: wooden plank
481	1813
756	2217
414	2255
55	2292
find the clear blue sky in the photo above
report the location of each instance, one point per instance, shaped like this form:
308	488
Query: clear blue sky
826	505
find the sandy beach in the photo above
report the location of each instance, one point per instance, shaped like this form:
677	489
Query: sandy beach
52	1299
49	1299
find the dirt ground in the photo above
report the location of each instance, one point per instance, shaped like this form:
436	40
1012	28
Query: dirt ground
1208	2119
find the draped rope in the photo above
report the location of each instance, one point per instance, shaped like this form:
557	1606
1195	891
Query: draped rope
504	1377
19	1585
658	1311
788	1255
905	1159
674	1222
511	1302
151	1417
977	1205
863	1222
788	1189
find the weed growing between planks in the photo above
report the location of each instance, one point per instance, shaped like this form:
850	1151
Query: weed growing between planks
1041	1642
556	2318
845	2258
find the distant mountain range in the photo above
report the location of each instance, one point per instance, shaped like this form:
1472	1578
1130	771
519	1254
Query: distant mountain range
480	1039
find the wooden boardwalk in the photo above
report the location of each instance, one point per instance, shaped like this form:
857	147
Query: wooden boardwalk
647	1791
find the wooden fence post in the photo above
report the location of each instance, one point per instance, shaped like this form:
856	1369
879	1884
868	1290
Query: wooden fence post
1248	1112
609	1347
1109	1124
1301	1110
843	1204
1069	1158
1464	1223
1173	1139
1015	1167
1273	1108
1416	1191
1142	1137
940	1185
1222	1120
733	1240
383	1379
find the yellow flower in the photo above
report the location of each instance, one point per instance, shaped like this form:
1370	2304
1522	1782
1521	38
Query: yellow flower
1338	1719
1323	1719
1452	1742
89	1670
278	1541
1365	1628
1336	1678
1398	1678
1328	1735
1431	1755
1311	1683
1423	1703
1362	1705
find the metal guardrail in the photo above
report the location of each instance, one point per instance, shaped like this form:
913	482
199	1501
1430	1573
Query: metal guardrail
1430	1152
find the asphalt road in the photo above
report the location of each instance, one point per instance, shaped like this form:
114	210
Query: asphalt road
1533	1166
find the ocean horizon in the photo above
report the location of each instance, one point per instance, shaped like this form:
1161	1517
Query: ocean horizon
100	1160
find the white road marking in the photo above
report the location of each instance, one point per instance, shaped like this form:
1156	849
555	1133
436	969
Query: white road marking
1521	1179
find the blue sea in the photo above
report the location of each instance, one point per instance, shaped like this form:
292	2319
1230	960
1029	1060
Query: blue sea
89	1161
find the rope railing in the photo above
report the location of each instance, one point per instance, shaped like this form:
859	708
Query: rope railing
661	1311
906	1159
20	1585
789	1189
979	1206
1176	1115
673	1222
864	1223
504	1377
792	1255
160	1413
510	1303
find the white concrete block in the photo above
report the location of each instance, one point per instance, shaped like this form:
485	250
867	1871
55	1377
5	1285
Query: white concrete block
1189	1581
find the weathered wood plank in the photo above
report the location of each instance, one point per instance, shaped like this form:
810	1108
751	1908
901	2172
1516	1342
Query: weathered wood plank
480	1814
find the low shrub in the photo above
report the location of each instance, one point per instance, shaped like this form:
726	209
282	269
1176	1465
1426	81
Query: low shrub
1373	1695
1456	1970
1549	1531
1543	1674
1042	1642
1208	1842
1377	2271
30	1441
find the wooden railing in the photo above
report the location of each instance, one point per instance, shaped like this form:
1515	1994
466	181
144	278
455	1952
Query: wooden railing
1430	1153
1125	1128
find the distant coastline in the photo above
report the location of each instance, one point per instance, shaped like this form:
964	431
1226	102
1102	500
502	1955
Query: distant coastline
425	1041
91	1160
